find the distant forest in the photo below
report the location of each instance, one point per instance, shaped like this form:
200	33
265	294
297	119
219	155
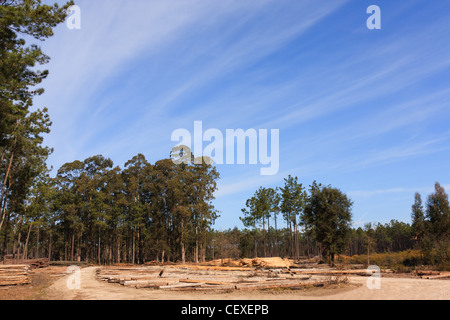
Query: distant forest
96	212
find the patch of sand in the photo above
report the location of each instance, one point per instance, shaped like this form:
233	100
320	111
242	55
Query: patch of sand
392	288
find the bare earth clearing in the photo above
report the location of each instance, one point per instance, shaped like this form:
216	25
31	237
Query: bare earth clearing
392	288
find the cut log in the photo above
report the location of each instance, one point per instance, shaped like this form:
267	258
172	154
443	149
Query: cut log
440	276
363	272
182	286
427	273
207	287
208	282
278	286
11	275
13	266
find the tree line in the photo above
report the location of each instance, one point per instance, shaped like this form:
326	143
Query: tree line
92	211
322	212
318	222
95	211
395	236
431	226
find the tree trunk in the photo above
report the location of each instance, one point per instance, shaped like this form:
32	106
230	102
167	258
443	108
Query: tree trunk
16	250
37	243
276	238
309	245
5	240
73	247
79	247
50	248
196	246
254	239
2	197
133	249
2	209
118	250
25	250
291	239
264	238
139	246
183	253
99	246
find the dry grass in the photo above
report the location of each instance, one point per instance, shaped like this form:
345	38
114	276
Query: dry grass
398	261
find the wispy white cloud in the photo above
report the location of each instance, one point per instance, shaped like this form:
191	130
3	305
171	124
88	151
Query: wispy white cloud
381	192
139	69
179	34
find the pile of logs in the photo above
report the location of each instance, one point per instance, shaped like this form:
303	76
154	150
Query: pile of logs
11	275
37	263
33	263
433	274
179	278
261	263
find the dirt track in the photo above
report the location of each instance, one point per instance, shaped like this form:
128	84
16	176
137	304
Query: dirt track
391	288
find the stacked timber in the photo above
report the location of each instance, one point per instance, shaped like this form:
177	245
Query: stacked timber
262	263
178	279
266	263
37	263
426	274
12	275
68	263
33	263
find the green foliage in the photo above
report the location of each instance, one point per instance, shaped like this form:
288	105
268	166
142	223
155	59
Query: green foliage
259	209
402	261
432	227
139	213
325	215
22	155
329	213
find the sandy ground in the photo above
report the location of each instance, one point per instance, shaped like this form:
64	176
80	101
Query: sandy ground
391	289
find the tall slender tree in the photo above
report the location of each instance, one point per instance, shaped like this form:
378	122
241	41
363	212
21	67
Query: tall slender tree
293	201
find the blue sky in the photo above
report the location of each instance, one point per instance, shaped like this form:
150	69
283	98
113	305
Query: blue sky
366	111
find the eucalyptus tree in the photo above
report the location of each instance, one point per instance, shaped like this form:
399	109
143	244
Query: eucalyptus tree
201	190
437	214
96	171
69	206
135	175
115	198
163	208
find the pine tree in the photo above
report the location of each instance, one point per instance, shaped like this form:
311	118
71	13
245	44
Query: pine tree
328	211
293	201
418	218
